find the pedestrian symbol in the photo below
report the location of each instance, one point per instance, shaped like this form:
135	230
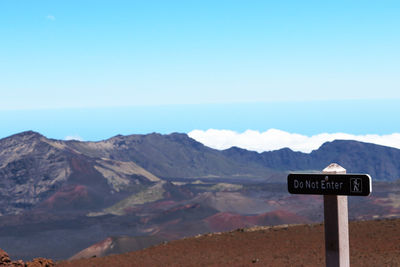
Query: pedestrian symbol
355	185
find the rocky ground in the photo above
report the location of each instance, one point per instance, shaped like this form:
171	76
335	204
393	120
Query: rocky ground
372	243
37	262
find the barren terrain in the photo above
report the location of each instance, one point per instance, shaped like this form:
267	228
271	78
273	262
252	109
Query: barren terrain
372	243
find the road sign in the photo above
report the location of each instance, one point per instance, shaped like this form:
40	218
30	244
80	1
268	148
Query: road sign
329	184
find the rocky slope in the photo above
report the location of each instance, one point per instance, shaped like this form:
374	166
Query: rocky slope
40	172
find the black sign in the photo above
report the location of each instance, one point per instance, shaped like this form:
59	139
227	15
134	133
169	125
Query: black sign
329	184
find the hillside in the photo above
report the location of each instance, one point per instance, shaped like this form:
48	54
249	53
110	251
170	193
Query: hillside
372	243
36	172
381	162
91	175
59	198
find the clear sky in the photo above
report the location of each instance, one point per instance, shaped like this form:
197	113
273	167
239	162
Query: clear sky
182	65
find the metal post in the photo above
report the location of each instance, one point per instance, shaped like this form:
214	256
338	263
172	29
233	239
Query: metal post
336	225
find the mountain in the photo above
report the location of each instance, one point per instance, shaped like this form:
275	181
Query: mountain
52	174
381	162
60	197
171	156
45	173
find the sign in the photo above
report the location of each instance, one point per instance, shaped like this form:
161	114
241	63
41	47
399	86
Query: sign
329	184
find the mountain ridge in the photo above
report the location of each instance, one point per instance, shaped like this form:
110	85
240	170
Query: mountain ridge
34	168
146	150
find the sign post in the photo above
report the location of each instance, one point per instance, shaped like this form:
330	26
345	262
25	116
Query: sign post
336	225
335	185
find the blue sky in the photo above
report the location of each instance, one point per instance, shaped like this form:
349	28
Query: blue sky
99	68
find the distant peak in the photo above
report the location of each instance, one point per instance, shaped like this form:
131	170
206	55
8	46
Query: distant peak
178	134
30	132
182	136
285	149
345	143
26	134
236	149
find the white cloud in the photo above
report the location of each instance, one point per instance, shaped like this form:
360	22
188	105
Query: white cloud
73	137
274	139
50	17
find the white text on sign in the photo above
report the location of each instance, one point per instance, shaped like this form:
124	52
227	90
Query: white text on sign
322	184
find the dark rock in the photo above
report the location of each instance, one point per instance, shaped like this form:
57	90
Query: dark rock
38	262
4	258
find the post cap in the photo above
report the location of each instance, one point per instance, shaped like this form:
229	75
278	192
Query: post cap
334	168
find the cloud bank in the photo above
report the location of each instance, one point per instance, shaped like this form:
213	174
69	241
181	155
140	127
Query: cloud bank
274	139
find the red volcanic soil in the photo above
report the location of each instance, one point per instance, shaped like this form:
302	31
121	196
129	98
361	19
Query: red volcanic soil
372	243
66	197
225	221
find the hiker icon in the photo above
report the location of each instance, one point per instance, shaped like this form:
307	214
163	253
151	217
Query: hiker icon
355	185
